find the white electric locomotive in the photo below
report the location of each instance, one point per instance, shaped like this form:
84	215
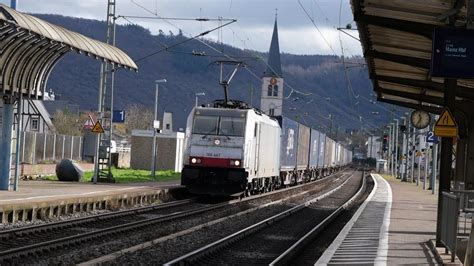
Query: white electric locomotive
230	151
234	149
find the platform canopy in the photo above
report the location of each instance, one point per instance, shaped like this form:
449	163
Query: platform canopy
30	47
396	37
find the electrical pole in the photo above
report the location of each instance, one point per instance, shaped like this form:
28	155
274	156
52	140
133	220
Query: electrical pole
413	155
396	147
155	128
389	158
102	167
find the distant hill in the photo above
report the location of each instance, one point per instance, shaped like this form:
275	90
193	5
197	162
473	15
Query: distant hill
76	77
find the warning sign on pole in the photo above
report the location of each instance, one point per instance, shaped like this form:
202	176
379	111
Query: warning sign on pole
446	125
97	128
89	124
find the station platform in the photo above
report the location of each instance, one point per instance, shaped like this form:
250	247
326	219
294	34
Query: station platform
45	199
393	226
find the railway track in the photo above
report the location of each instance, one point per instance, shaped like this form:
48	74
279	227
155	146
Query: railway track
38	241
276	239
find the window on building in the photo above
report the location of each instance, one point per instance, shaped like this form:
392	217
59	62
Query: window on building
35	124
270	90
275	90
167	126
271	112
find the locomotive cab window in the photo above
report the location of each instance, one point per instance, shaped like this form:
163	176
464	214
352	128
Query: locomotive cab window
206	125
232	126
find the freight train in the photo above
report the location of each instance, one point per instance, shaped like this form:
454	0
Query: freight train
241	150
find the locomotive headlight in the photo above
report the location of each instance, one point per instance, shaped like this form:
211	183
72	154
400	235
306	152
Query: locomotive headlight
193	160
236	162
217	142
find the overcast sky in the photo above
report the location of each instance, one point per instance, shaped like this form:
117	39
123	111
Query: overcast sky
252	30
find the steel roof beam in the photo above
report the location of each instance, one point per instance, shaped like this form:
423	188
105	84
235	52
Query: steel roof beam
461	91
418	28
430	109
401	59
412	96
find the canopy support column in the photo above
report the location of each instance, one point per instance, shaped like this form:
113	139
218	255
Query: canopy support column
446	156
6	143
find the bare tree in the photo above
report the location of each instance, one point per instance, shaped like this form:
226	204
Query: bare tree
138	117
67	123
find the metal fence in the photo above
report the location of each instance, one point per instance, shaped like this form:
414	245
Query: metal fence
449	222
42	147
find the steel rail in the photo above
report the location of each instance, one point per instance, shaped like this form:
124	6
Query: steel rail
69	240
79	238
75	221
110	257
286	256
215	246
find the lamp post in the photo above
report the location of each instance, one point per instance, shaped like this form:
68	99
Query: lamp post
396	147
197	95
330	128
390	147
153	164
404	150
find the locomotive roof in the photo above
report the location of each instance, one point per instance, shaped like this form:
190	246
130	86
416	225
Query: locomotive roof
220	111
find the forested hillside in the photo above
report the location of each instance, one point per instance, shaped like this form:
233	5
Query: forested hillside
76	77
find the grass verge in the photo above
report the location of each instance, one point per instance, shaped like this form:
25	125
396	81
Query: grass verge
131	176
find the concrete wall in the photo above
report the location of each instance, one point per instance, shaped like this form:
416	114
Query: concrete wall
169	151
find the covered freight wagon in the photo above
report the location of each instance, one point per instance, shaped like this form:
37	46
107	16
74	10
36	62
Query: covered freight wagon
314	149
314	154
288	148
303	147
322	146
328	152
302	158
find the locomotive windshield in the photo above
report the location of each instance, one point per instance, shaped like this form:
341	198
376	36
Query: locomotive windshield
216	125
206	125
231	126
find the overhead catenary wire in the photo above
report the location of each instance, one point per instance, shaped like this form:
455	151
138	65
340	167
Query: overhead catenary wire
176	18
197	38
184	41
357	118
317	28
193	53
232	58
349	84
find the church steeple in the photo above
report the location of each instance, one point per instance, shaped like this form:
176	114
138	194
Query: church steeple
274	64
272	81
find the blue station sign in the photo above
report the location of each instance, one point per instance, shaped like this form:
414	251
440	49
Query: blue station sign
118	116
453	53
431	137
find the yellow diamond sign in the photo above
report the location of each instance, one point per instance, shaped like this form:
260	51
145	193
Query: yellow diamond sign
446	125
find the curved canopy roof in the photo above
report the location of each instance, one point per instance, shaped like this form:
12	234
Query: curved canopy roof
396	38
31	47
